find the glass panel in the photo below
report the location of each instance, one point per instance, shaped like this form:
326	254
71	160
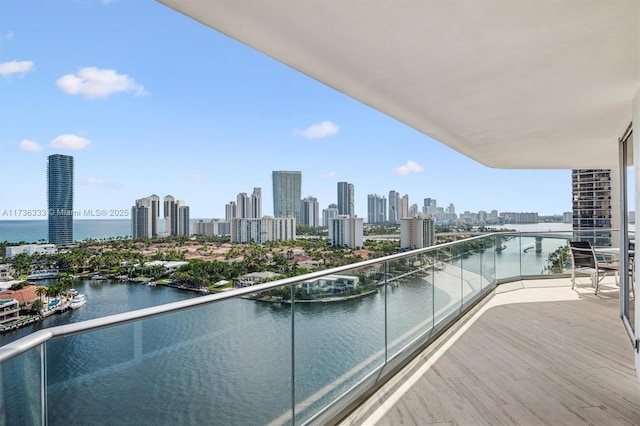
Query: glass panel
339	335
508	249
198	366
20	390
409	300
470	260
488	262
447	281
536	250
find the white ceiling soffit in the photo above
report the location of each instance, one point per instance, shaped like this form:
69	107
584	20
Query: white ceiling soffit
509	83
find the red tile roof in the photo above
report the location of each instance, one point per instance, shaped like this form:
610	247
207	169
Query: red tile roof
24	295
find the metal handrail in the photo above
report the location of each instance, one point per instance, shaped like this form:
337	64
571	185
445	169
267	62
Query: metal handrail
35	339
31	341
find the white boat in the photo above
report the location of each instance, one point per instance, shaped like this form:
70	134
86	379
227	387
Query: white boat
73	291
77	301
43	274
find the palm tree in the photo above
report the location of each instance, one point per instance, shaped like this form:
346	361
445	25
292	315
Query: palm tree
41	291
65	283
37	305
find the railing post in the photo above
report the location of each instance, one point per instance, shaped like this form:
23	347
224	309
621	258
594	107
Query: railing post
43	385
293	358
386	315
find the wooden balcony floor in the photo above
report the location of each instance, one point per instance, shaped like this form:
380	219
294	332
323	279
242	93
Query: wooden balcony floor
537	353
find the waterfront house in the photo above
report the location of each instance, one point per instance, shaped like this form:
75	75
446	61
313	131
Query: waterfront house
25	296
6	272
9	309
254	278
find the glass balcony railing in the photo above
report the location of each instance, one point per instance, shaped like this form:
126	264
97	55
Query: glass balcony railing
294	351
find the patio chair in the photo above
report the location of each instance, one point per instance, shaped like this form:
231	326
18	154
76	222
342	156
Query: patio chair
584	259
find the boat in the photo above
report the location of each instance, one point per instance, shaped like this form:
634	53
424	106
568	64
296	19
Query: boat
43	274
77	301
98	277
73	291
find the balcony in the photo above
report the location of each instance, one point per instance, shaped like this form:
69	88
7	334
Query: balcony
536	352
485	313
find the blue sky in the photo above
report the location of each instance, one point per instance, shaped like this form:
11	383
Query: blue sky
150	101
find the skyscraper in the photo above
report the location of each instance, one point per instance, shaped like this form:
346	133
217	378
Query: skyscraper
310	212
176	216
329	213
346	231
287	189
243	204
256	203
346	197
592	191
376	208
144	217
394	206
416	232
403	210
230	211
169	221
60	198
249	206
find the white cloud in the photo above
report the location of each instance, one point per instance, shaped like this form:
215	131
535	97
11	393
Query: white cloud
317	131
101	182
196	177
328	175
15	67
410	167
7	36
29	146
92	82
74	142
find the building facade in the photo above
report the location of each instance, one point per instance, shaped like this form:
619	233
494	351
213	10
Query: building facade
60	199
211	228
417	232
176	216
287	190
310	214
31	249
404	207
394	206
346	231
329	213
346	199
170	222
591	198
376	208
519	217
144	217
267	228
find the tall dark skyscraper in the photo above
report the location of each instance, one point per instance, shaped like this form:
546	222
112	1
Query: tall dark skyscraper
60	198
346	197
287	190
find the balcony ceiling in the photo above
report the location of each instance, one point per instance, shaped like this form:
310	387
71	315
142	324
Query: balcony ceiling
511	84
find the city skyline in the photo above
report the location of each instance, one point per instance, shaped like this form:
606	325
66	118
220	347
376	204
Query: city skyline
196	113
